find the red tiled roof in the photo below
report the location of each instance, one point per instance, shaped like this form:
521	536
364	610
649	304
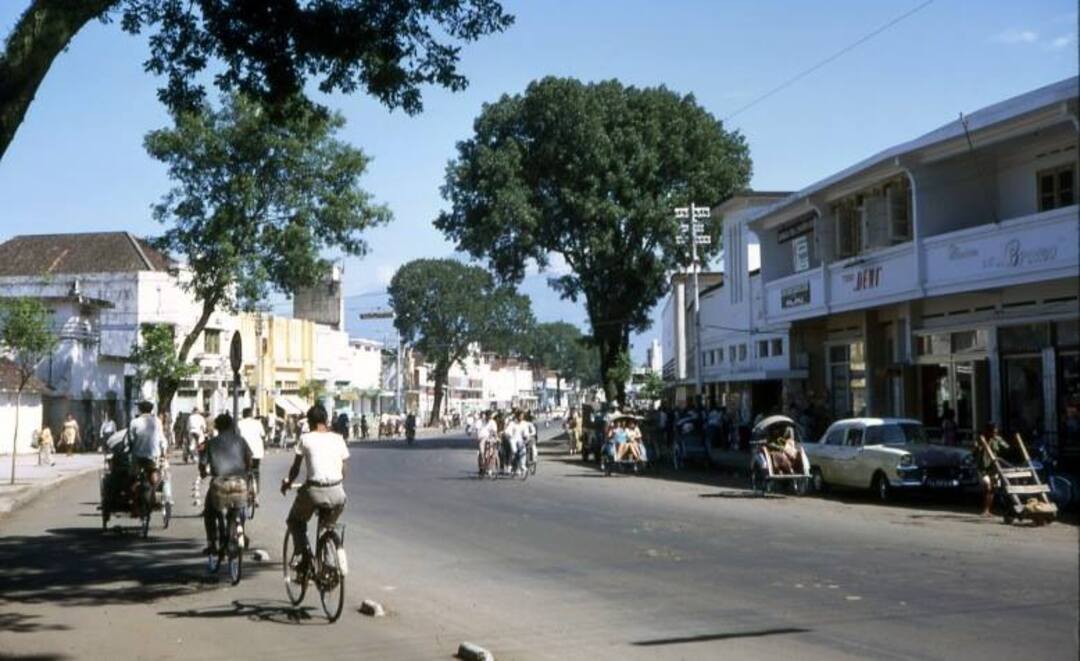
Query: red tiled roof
90	252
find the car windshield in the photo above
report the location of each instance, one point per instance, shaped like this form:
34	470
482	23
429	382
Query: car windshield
895	434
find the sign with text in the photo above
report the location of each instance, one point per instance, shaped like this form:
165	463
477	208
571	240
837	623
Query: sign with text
796	295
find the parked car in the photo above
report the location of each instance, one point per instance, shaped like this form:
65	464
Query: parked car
886	455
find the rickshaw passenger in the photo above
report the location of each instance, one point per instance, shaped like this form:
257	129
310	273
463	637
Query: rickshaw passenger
776	447
619	440
633	440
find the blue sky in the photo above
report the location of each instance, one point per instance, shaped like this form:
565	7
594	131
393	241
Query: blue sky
77	162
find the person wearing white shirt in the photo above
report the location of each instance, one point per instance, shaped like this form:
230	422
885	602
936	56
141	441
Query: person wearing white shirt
251	430
486	431
516	432
325	454
108	428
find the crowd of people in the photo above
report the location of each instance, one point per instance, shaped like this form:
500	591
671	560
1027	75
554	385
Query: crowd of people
507	435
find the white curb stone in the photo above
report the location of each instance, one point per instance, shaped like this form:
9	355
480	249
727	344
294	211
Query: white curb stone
473	652
372	608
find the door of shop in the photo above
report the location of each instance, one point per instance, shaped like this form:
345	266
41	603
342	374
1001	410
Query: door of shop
955	392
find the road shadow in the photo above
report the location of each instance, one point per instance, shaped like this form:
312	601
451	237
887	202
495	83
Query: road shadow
254	610
420	444
20	623
760	633
93	567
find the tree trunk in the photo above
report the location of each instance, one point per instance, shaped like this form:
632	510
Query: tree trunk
167	388
611	346
41	34
442	370
15	440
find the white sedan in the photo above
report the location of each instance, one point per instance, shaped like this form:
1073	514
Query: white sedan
885	454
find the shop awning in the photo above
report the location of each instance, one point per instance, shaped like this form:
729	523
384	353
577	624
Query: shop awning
286	403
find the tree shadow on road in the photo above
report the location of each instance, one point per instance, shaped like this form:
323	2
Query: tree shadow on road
264	610
20	623
90	567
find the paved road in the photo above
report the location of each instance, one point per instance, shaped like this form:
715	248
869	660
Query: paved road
567	565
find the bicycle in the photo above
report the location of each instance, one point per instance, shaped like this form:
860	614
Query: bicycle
231	543
327	568
252	495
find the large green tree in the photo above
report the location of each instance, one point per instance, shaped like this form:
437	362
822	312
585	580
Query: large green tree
592	172
26	336
256	201
442	307
561	347
265	48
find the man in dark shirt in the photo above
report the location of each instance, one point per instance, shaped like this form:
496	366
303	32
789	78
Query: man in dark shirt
227	459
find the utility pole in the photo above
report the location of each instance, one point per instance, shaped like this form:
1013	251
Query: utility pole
694	232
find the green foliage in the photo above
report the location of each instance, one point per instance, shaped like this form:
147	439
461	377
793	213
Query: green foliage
442	306
313	390
591	172
271	48
257	198
653	388
156	359
26	335
560	346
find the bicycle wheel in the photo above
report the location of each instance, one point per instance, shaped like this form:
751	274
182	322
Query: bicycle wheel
234	551
330	579
296	581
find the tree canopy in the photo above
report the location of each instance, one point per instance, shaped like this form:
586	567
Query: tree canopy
442	307
257	200
561	347
592	172
264	48
155	359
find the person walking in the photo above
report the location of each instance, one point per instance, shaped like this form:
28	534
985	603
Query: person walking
363	426
69	435
45	447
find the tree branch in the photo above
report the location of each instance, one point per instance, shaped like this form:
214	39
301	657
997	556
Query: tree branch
41	34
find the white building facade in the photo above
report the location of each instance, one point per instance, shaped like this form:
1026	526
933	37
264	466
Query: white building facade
938	278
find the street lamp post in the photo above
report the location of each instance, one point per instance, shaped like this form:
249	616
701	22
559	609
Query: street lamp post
695	234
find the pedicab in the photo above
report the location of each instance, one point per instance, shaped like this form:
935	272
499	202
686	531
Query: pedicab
609	463
125	491
777	456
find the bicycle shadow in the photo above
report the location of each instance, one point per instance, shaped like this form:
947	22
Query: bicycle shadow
264	610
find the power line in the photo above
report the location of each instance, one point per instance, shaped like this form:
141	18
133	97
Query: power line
806	72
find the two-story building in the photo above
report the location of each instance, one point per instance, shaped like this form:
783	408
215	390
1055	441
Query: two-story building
102	288
938	278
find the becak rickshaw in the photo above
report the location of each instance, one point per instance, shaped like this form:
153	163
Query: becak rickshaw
610	463
777	456
124	489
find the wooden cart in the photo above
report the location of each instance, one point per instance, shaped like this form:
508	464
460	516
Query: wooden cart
1026	497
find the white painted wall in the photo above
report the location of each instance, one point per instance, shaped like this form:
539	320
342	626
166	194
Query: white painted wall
29	421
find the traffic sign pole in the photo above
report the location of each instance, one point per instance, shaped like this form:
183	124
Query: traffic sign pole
697	236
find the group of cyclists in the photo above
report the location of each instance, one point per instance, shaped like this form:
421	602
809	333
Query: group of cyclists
229	455
505	441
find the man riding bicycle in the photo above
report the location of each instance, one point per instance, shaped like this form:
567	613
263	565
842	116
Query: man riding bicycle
251	430
227	459
325	453
147	441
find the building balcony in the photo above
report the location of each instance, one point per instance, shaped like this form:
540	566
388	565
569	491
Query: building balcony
1041	246
876	278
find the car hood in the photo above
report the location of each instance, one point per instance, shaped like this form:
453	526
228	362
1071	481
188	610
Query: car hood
934	455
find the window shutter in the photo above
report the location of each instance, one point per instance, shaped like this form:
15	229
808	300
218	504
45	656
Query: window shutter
899	200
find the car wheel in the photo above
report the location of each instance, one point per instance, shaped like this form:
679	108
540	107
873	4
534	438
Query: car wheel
882	488
817	480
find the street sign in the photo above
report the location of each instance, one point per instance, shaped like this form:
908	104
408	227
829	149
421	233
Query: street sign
682	212
236	355
384	314
703	239
702	212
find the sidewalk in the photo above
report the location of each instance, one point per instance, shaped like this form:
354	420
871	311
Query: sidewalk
31	479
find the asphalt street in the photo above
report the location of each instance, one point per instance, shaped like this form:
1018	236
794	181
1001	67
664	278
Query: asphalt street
568	564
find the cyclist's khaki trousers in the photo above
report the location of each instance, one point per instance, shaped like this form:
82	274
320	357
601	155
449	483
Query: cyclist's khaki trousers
310	499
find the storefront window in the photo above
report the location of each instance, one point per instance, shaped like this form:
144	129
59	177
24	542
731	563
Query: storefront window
1067	333
1024	396
847	379
1023	339
973	340
937	344
1068	370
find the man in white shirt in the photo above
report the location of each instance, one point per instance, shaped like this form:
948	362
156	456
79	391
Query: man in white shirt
486	431
516	431
325	454
108	428
251	430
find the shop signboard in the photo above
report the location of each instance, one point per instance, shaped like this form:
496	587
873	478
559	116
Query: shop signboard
795	295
